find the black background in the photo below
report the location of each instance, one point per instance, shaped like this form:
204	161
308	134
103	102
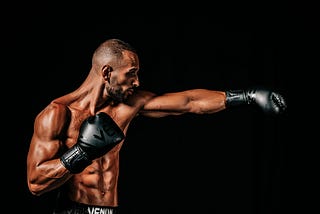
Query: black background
236	161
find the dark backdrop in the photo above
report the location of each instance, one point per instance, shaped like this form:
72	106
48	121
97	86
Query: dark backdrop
236	161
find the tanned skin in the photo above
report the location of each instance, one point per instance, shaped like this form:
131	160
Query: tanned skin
111	87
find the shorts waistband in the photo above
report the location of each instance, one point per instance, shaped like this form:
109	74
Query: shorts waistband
100	210
74	207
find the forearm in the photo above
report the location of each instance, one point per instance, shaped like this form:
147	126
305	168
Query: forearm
47	176
203	101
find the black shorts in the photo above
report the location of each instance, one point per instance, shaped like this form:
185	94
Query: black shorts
77	208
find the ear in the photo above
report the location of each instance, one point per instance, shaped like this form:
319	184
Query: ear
106	72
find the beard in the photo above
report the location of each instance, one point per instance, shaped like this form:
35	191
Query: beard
116	94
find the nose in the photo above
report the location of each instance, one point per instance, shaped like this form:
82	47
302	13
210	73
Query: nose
135	83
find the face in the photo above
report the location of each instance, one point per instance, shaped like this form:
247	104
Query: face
124	77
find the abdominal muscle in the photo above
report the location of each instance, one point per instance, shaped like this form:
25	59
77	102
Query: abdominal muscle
97	184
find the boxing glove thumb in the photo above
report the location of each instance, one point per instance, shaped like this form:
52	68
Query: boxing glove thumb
269	101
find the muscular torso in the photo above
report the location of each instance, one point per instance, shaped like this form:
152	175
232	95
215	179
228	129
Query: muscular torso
97	184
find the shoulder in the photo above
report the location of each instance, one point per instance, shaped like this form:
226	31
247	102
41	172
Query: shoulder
141	97
54	113
55	108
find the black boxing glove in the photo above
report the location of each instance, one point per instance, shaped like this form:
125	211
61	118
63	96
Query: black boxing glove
98	134
269	101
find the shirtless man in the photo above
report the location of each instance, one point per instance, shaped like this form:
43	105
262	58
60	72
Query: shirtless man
77	138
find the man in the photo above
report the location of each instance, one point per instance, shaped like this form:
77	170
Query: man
77	137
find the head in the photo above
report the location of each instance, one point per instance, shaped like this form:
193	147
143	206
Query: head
118	63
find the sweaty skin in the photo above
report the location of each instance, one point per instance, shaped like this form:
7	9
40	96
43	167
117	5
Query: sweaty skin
111	87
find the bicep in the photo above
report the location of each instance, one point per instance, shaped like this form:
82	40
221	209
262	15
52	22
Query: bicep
42	148
47	136
167	104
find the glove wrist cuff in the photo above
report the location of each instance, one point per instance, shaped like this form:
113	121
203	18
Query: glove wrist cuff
75	159
236	98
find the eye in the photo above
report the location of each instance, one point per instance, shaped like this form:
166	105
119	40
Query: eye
132	73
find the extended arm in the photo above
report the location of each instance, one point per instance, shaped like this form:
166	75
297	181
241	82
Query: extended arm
203	101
